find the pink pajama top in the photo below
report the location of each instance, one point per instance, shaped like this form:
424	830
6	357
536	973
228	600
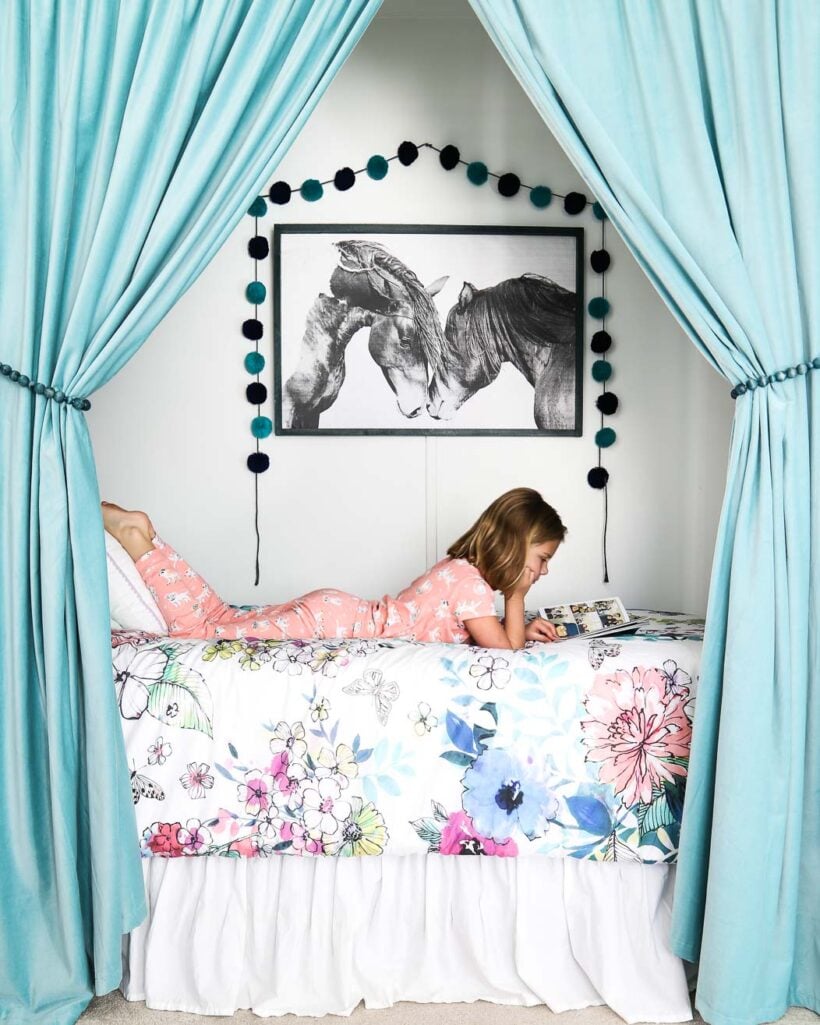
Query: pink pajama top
434	607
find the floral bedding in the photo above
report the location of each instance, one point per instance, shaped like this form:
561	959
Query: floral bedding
357	747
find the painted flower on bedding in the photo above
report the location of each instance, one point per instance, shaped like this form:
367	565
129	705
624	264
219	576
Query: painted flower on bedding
161	839
291	658
340	765
320	710
221	649
503	792
193	836
327	661
158	752
637	725
422	720
269	824
363	832
301	841
290	739
490	671
134	672
288	786
459	836
256	793
196	780
324	808
254	655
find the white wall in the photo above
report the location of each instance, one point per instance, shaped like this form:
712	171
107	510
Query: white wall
171	432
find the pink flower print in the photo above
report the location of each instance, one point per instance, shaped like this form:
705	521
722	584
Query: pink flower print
256	793
301	841
323	808
287	786
162	839
459	836
634	730
193	837
196	780
290	739
279	763
158	752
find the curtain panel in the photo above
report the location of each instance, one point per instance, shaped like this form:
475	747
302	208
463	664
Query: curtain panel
135	135
694	123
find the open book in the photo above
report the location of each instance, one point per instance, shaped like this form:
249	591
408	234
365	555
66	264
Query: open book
591	618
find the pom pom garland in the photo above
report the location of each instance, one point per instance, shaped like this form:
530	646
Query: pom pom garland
279	193
254	362
258	247
607	403
311	190
477	172
599	261
541	196
597	477
256	393
605	437
256	292
509	184
574	202
407	153
601	341
377	167
344	179
449	157
258	207
261	427
252	330
601	370
258	462
598	307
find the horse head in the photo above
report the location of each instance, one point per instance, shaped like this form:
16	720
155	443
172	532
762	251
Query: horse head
466	367
406	335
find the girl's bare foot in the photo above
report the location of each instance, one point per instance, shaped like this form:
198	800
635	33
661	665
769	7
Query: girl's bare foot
131	528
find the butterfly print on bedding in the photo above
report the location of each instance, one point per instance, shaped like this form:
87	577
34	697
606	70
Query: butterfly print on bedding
599	649
384	692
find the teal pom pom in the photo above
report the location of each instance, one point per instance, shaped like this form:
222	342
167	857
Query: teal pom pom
477	172
605	437
261	427
256	292
601	370
598	211
598	307
377	167
258	207
541	196
254	362
311	190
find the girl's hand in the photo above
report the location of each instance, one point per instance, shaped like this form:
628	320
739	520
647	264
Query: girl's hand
540	630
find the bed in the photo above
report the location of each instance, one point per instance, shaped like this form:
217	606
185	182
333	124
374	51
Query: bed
299	806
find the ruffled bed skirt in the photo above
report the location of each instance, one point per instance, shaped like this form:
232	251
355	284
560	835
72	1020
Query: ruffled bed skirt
288	935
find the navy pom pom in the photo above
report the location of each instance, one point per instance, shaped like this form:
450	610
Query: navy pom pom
509	184
599	261
252	329
279	193
407	153
597	477
574	202
256	393
258	462
344	179
449	157
601	341
258	247
607	403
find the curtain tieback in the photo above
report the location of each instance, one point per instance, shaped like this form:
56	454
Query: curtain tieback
781	375
42	389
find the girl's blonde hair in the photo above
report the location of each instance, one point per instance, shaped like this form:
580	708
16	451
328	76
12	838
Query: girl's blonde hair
498	541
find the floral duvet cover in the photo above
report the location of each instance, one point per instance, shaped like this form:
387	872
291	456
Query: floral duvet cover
358	747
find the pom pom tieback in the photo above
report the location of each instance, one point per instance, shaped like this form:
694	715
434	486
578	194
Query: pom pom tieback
76	402
780	375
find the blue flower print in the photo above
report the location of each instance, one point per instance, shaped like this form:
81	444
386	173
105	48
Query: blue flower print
502	792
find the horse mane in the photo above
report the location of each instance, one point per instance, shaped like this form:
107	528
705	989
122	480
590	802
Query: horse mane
530	307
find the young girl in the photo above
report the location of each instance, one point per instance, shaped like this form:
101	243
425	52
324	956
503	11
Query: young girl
508	548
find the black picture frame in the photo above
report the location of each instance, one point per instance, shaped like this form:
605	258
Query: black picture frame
379	292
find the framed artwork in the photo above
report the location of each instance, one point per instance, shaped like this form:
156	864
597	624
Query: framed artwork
427	329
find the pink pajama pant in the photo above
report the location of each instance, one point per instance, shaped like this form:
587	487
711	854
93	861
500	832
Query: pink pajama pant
191	609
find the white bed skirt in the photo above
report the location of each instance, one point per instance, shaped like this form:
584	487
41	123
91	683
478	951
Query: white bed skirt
288	935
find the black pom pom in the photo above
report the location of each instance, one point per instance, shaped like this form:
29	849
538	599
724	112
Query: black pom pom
257	393
509	184
449	157
252	329
607	403
344	179
279	193
599	261
597	477
258	247
258	462
601	341
574	202
407	153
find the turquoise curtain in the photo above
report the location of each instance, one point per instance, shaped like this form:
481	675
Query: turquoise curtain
695	124
135	134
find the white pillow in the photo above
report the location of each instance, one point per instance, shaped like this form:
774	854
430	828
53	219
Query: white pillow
132	607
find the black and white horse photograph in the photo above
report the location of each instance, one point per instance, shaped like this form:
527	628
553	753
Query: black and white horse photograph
397	329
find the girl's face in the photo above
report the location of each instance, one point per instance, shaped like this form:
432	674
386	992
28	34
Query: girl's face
539	556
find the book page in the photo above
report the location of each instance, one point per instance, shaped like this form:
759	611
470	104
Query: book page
584	618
